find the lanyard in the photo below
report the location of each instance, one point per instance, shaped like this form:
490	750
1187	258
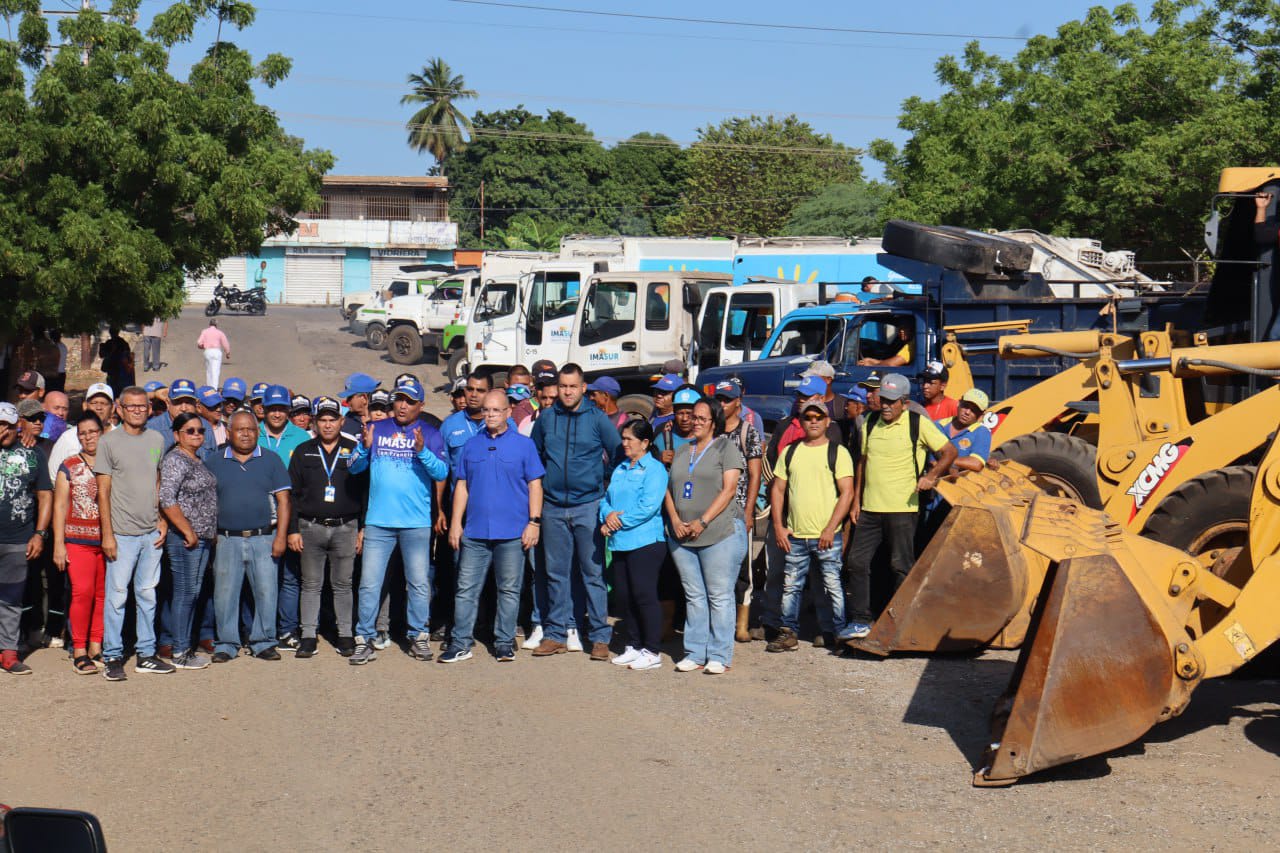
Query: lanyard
329	469
266	436
694	460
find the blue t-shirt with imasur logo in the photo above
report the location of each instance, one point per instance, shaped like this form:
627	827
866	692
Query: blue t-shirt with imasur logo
400	478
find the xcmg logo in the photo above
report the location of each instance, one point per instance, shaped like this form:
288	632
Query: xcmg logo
1155	472
602	356
993	419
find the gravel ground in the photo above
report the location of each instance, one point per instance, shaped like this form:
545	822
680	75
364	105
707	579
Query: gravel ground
802	751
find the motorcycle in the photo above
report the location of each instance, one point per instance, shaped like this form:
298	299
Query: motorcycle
251	301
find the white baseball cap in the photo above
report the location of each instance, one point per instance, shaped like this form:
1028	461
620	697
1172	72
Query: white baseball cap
822	368
8	413
100	388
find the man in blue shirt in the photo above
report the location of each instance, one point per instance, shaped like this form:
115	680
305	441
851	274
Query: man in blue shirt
405	457
662	391
499	494
233	393
459	427
248	480
355	396
182	398
574	439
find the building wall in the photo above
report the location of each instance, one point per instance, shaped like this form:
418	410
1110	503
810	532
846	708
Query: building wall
355	271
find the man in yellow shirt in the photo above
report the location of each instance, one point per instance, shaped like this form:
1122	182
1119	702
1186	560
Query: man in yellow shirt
886	501
814	478
902	358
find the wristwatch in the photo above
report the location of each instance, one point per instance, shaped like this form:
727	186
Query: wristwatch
537	519
44	534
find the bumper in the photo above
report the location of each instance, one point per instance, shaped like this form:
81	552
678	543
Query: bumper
357	327
454	332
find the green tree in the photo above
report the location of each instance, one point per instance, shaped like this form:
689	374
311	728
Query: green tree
528	232
115	177
842	210
746	175
646	175
1108	129
438	127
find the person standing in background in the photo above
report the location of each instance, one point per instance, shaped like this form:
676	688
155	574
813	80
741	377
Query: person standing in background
213	342
152	334
117	361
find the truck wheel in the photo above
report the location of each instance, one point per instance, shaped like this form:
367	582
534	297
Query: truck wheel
1064	465
404	345
459	365
375	336
636	404
1207	513
956	248
349	313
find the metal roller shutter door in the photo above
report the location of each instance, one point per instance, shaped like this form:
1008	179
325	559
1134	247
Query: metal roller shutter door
200	290
313	279
384	270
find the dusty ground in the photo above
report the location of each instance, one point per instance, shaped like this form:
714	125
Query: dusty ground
798	751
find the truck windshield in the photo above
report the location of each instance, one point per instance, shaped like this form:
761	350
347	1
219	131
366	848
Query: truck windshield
498	299
750	322
610	311
805	336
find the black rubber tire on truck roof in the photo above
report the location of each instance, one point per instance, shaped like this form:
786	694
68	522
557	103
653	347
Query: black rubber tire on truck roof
1063	464
955	248
636	404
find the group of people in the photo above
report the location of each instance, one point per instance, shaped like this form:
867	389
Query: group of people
228	509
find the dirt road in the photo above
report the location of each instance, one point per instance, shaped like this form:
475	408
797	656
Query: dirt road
793	751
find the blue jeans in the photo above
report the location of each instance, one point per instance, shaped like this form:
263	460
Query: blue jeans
538	591
290	598
797	562
137	560
474	558
186	566
237	558
571	539
708	574
415	553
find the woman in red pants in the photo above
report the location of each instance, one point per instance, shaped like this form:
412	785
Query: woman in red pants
77	544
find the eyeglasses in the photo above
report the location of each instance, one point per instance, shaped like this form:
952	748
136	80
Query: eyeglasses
135	407
701	419
813	419
196	431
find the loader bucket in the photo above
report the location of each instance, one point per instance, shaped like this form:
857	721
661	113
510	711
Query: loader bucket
975	585
1097	673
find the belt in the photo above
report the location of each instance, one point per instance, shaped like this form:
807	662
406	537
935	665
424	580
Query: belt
245	534
329	522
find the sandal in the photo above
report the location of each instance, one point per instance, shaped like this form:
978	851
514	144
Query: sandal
84	665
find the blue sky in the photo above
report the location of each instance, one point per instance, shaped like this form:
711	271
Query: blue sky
617	75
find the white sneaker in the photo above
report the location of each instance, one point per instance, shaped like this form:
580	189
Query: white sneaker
534	639
688	665
646	660
714	667
627	657
571	641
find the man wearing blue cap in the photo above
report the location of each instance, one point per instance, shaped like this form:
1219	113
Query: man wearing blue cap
678	431
663	390
405	458
355	396
256	395
604	392
210	410
182	398
279	435
233	393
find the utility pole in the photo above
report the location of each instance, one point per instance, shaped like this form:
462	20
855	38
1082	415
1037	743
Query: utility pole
482	213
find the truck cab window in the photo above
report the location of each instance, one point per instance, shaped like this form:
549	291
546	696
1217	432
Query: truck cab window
657	310
610	311
498	299
750	322
551	296
881	337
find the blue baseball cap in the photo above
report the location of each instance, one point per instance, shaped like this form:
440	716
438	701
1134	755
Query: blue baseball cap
181	389
519	393
276	395
359	383
728	390
859	394
811	386
152	387
608	385
259	391
686	397
669	382
410	388
209	396
234	388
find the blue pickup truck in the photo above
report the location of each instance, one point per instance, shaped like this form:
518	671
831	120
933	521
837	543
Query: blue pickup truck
843	333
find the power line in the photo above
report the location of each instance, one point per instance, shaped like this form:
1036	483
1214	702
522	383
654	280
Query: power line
490	208
728	23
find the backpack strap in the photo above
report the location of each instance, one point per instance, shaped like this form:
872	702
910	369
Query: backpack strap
913	427
833	450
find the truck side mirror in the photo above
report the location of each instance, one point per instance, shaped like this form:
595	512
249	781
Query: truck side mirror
32	830
1211	233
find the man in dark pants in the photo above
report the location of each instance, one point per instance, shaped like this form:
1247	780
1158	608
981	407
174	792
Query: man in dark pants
328	503
26	500
886	500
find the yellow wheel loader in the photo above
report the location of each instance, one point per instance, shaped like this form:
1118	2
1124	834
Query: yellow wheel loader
1158	471
1127	628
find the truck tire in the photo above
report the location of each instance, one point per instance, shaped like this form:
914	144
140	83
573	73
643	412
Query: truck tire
1206	513
636	404
404	345
956	248
1063	464
375	336
459	365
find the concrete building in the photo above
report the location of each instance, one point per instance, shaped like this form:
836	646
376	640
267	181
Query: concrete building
365	229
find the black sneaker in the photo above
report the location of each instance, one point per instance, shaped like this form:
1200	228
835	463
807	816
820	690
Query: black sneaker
269	653
506	653
455	656
346	646
440	635
288	642
306	648
113	670
421	648
153	665
223	657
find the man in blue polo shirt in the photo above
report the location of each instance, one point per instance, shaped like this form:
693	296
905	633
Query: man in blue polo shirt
248	479
405	457
497	515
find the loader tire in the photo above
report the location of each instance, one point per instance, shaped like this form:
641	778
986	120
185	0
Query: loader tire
955	248
1064	465
1207	513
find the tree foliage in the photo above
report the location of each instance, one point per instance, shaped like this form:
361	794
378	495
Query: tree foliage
843	210
746	175
1109	128
115	177
439	126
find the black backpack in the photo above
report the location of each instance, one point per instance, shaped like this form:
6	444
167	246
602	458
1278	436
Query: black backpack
913	427
833	449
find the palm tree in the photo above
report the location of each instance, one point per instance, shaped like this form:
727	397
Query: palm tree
437	127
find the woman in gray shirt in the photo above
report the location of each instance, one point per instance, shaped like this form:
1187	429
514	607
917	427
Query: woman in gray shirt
707	537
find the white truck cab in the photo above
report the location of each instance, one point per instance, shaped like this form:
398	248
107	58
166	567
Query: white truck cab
735	322
416	322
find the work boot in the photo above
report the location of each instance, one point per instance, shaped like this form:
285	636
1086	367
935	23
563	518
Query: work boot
785	641
741	634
